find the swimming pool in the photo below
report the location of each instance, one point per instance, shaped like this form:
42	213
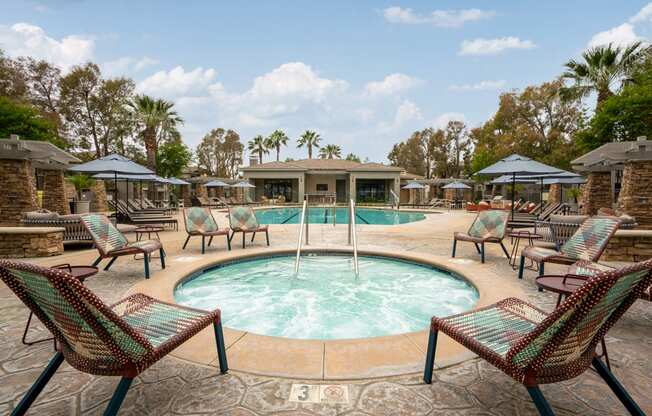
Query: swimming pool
326	300
321	215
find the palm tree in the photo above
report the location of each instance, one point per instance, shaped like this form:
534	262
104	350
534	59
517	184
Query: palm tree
309	139
330	151
601	67
157	121
258	145
276	140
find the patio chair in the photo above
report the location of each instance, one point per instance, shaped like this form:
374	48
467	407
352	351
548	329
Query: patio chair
588	243
243	220
111	243
534	347
488	227
119	340
199	221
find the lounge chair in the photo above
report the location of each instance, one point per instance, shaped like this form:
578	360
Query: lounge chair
488	227
534	347
144	218
587	243
119	340
243	220
199	221
111	243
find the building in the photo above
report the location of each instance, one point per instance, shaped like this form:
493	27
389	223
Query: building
364	182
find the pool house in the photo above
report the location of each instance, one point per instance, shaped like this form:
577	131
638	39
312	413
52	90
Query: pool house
364	182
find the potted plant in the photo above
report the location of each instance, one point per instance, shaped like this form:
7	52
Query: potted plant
574	193
82	182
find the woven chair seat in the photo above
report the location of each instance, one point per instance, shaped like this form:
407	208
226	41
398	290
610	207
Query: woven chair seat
260	228
210	233
465	237
493	330
142	246
540	254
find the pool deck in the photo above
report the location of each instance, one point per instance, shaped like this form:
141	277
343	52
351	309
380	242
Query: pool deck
181	387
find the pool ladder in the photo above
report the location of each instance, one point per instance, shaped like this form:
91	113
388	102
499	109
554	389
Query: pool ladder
352	236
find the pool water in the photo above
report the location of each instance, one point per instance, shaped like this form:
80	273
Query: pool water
326	300
321	215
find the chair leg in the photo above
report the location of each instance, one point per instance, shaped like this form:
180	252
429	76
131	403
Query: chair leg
97	261
146	261
203	244
162	254
541	271
186	243
221	347
477	248
505	250
617	388
243	240
454	247
482	254
540	402
38	385
118	397
267	236
430	356
253	236
108	265
521	266
228	242
210	241
24	338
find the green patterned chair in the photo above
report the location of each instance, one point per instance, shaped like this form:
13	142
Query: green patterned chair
243	220
119	340
587	243
488	227
199	221
534	347
111	243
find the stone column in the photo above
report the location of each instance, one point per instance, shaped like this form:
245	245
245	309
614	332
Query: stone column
54	192
185	195
200	190
596	193
554	194
18	191
635	196
99	203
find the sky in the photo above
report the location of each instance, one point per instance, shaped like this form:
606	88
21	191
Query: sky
363	74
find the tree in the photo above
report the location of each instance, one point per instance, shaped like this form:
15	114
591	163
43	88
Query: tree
172	158
353	157
309	139
330	151
12	79
457	136
258	145
220	153
156	121
44	83
409	155
25	121
601	67
276	140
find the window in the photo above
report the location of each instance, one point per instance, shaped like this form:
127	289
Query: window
322	187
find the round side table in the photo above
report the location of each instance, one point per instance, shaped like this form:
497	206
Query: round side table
517	236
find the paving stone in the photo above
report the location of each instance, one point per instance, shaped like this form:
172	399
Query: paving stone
209	395
62	407
269	397
389	399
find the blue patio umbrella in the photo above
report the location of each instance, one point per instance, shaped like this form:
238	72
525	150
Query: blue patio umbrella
216	184
456	186
177	181
414	185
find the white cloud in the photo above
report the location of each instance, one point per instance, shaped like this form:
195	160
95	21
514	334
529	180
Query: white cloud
24	39
442	120
644	14
407	111
622	35
178	82
391	84
441	18
481	46
479	86
127	65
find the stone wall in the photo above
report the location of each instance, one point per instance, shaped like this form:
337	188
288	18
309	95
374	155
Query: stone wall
99	203
71	192
21	242
554	194
18	191
200	191
635	196
54	192
596	193
185	195
629	245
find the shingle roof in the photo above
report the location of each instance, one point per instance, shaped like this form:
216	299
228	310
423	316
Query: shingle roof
321	164
614	153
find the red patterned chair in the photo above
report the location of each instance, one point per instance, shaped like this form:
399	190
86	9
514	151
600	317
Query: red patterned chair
199	221
534	347
119	340
488	227
243	220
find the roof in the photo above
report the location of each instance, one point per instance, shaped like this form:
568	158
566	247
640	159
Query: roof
45	154
322	164
614	153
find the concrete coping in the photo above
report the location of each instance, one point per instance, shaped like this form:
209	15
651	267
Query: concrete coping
633	233
31	230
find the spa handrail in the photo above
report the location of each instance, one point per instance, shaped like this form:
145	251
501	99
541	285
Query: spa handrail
353	234
303	220
394	199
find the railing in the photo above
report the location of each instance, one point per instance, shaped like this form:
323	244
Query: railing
352	235
394	199
303	221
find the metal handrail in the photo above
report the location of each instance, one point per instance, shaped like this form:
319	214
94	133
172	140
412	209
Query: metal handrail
353	234
395	199
303	220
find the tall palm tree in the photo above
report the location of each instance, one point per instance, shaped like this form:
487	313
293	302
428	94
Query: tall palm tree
309	139
276	140
330	151
601	67
157	121
258	145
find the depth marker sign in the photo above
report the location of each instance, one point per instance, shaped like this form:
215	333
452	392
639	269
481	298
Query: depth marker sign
319	393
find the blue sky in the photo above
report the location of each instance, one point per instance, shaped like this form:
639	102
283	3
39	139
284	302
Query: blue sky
363	74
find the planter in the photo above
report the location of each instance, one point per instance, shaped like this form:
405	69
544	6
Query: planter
82	207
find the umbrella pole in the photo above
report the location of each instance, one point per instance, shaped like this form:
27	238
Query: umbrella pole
140	201
541	193
513	192
115	194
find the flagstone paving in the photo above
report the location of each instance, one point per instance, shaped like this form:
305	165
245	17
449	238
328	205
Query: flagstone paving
176	387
